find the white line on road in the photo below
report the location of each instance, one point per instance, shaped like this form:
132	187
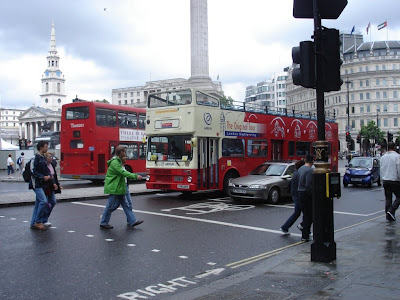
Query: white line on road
195	219
335	211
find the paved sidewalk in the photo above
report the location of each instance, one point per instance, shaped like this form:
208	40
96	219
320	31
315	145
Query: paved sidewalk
367	264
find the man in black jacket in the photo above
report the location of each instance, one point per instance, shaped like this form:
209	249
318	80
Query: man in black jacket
40	176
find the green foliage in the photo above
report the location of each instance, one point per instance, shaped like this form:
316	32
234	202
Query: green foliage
227	101
102	101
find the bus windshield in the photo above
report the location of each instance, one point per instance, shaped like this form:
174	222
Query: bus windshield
170	98
170	148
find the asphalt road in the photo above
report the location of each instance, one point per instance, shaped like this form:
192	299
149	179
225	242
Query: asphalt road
183	244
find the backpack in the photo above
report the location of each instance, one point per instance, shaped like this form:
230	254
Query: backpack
19	160
27	174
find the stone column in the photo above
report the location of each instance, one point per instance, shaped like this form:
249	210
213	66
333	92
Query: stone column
37	129
26	130
31	131
20	130
199	40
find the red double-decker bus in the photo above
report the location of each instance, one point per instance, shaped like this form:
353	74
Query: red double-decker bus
90	132
198	142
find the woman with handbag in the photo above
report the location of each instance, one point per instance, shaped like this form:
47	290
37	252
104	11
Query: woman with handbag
52	188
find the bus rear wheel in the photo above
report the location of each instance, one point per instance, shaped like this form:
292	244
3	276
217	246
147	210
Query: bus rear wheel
228	176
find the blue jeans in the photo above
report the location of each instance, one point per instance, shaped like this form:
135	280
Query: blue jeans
51	202
298	208
10	169
40	208
114	201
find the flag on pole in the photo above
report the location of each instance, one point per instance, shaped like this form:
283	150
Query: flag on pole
383	25
352	30
218	77
369	25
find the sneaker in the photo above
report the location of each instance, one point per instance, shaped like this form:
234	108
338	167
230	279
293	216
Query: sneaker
107	226
38	226
300	227
305	240
137	223
285	232
47	224
390	216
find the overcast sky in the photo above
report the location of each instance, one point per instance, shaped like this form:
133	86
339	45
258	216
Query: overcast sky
106	44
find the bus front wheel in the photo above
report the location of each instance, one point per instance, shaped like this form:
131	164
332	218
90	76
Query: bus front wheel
228	176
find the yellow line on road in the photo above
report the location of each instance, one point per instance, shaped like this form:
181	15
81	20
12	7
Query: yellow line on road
347	227
260	256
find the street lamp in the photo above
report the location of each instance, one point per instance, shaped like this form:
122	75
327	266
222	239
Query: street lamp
347	82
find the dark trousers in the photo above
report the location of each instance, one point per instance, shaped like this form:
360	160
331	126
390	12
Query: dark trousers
298	207
391	187
306	200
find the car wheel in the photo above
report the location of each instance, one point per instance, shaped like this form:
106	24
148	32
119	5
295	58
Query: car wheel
273	196
345	184
227	177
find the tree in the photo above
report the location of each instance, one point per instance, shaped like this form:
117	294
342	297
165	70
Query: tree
372	132
226	101
102	101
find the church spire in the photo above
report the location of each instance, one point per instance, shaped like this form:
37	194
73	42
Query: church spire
53	49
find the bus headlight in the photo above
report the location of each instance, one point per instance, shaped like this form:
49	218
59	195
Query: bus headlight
189	178
147	177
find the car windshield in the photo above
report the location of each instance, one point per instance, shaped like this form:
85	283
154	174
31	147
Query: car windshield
360	163
269	170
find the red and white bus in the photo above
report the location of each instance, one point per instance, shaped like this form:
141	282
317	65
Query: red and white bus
198	142
90	132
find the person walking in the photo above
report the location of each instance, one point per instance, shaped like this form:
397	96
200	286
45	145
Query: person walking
10	166
297	204
51	189
39	181
115	185
21	163
390	175
305	195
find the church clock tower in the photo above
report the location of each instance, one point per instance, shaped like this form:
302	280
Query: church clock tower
53	81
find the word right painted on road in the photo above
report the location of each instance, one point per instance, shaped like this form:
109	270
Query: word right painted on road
170	287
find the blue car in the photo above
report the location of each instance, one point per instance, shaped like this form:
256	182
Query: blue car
362	170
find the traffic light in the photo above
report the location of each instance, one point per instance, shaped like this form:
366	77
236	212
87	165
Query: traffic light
348	137
359	139
389	136
304	55
331	60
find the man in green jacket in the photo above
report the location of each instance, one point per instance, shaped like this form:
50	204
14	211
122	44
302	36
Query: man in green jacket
115	185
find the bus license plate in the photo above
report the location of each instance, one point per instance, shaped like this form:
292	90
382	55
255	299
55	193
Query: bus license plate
238	191
182	186
76	177
178	178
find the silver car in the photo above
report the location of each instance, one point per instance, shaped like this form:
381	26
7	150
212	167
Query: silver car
270	182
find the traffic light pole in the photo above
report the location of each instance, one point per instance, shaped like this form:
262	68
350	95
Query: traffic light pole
323	248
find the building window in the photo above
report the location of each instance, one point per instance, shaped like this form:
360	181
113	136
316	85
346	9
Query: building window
377	81
385	107
385	122
125	95
119	95
352	97
126	102
361	83
131	94
58	87
395	123
368	108
352	84
59	100
360	69
394	80
131	101
46	100
361	96
378	95
352	110
367	82
394	94
395	107
47	87
383	67
138	94
353	123
361	109
384	81
376	68
367	96
394	66
366	68
361	123
119	102
384	95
